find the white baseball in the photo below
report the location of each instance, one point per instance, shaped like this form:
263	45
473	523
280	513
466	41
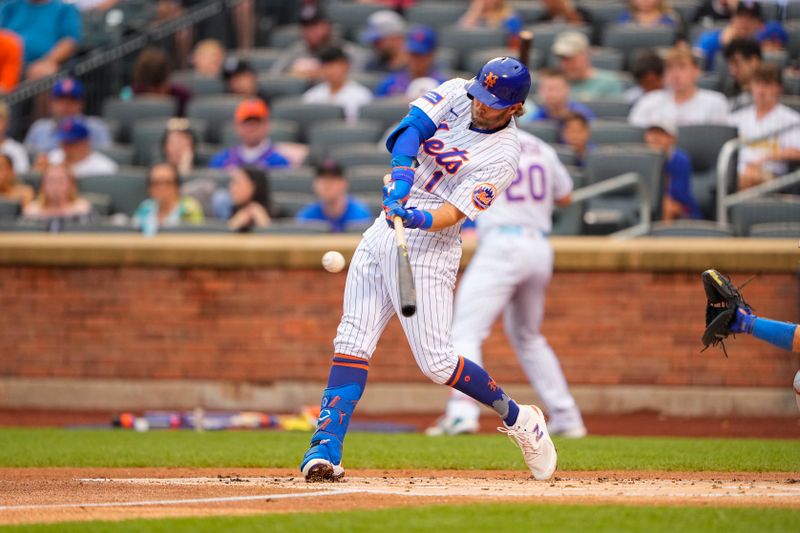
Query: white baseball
333	261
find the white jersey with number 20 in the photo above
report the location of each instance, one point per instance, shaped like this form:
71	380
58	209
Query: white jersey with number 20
528	201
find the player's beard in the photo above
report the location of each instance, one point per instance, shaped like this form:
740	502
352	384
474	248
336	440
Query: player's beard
481	121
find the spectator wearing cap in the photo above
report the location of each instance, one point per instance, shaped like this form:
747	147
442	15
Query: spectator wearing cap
76	151
336	87
300	59
334	206
249	193
151	76
252	127
421	45
553	98
773	37
745	22
58	201
743	56
648	13
767	151
386	34
494	14
50	32
10	61
207	58
677	202
10	147
165	207
585	81
647	68
66	101
681	101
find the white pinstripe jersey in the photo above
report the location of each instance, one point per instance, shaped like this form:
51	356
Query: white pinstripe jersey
465	167
528	201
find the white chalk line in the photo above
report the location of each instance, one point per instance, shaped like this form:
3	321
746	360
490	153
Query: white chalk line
149	503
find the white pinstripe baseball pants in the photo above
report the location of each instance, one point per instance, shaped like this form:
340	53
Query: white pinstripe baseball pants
371	298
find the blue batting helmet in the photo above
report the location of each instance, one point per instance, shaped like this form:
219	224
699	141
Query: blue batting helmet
500	83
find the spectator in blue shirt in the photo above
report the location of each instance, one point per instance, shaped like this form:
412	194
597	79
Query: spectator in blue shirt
421	46
553	101
576	132
745	22
335	206
66	101
678	201
252	128
50	31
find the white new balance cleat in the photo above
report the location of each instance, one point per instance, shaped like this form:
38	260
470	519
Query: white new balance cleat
448	425
530	434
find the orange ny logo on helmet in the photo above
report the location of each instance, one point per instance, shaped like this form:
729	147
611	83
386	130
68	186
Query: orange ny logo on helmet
490	80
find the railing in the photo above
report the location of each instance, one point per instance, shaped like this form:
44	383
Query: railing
623	181
726	154
98	59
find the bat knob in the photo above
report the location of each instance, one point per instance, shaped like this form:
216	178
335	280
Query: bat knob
408	310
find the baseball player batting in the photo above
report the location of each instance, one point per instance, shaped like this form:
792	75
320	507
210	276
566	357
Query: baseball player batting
510	273
463	136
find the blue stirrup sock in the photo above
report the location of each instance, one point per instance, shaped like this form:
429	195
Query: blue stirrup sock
780	334
346	383
476	383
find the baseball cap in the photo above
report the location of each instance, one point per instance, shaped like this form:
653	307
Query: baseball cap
665	124
72	130
421	40
311	14
773	31
233	66
330	168
68	88
252	108
383	24
570	43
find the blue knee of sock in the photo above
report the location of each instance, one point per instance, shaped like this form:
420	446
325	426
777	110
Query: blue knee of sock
780	334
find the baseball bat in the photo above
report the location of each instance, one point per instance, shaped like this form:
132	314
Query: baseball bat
525	41
405	278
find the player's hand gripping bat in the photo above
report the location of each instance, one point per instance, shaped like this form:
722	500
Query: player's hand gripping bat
405	279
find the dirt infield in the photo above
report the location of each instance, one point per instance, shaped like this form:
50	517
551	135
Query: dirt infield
29	495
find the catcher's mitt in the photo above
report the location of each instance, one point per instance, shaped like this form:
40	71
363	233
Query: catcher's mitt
723	297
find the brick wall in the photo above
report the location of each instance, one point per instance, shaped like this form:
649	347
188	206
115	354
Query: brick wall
266	325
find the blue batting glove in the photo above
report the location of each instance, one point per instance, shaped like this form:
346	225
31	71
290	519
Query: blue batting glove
412	218
743	321
399	188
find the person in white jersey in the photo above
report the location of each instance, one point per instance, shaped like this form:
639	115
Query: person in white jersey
463	137
509	273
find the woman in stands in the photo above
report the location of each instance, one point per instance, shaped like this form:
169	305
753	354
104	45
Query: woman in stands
249	190
178	145
649	13
58	202
495	14
10	188
166	207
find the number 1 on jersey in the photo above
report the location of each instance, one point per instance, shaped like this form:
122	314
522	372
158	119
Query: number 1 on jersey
437	176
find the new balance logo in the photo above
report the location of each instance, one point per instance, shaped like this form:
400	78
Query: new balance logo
538	432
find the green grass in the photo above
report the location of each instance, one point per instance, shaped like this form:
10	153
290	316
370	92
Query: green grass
98	448
478	518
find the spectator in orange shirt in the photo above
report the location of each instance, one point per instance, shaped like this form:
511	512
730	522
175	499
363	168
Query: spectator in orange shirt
10	60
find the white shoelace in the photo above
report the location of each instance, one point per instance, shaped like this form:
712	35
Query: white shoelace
522	438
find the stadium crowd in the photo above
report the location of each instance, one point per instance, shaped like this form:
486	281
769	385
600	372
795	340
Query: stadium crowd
239	137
